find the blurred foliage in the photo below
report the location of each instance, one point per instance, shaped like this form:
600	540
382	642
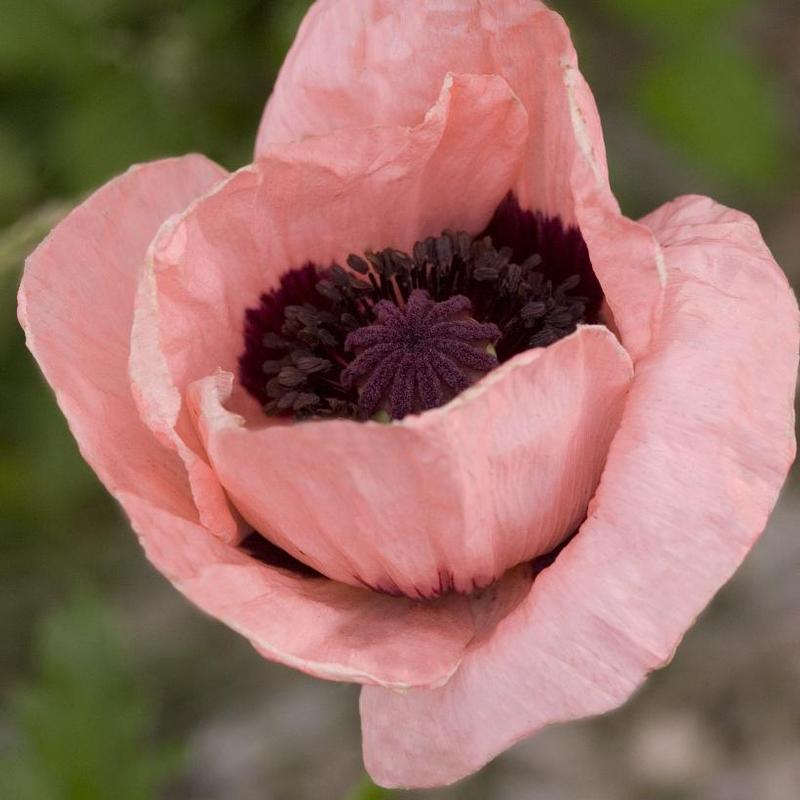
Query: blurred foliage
90	86
719	107
705	95
676	23
83	725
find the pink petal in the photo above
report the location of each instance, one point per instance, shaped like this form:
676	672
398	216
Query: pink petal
704	447
357	63
318	201
76	305
160	408
323	628
454	497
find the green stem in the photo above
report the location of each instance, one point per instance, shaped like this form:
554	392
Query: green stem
367	790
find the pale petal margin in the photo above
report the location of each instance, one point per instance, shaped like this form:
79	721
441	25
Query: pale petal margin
692	475
358	63
76	306
449	499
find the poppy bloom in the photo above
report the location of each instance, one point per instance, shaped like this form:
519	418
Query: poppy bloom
408	402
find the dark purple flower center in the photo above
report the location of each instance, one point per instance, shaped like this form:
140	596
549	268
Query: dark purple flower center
419	356
399	333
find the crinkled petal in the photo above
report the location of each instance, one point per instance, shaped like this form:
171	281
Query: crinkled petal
696	467
161	409
76	305
324	628
451	498
365	62
316	201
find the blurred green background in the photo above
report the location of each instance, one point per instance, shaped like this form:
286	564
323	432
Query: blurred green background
112	686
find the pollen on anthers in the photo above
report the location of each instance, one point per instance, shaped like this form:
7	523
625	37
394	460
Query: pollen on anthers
399	333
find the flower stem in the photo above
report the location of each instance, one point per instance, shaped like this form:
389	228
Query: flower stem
367	790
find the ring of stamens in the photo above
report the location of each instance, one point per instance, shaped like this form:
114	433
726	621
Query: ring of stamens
397	333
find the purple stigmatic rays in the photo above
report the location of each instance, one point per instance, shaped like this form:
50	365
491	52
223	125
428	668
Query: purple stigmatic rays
399	333
418	356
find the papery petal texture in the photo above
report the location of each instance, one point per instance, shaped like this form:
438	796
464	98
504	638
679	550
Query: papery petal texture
447	500
324	628
371	62
702	452
76	305
317	201
540	543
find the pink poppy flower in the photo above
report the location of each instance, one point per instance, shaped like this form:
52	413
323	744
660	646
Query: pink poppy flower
590	417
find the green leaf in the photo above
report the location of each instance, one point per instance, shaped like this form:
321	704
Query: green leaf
17	171
668	18
113	123
82	726
717	106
